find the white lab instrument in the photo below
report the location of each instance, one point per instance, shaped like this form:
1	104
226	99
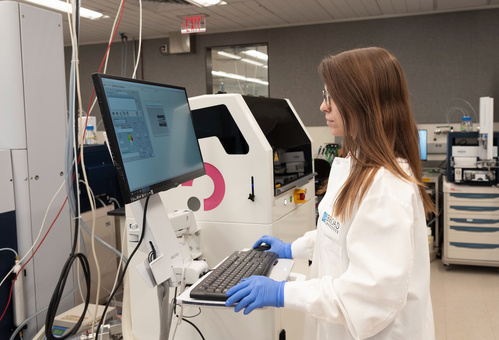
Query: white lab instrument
472	157
259	181
66	321
33	115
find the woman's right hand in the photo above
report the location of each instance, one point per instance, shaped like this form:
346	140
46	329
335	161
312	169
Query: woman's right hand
277	246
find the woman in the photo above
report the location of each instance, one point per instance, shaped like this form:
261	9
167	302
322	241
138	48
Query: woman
370	273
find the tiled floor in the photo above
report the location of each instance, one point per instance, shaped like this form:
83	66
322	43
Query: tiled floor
465	302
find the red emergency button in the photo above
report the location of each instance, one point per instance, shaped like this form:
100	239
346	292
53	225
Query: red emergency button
300	196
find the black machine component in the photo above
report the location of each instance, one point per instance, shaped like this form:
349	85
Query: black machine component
292	148
102	177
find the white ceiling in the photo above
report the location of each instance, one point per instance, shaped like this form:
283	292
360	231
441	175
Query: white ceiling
160	18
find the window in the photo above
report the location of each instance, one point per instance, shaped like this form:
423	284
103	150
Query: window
238	69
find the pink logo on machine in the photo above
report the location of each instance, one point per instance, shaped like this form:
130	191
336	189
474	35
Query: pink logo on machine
218	194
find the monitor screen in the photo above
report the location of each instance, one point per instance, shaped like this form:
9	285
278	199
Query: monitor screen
150	133
423	152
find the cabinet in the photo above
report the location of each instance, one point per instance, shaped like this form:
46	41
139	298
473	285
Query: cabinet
471	225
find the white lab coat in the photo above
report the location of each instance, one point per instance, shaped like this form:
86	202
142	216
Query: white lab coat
370	275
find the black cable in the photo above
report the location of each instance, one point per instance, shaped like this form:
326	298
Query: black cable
57	296
193	325
174	301
124	269
152	254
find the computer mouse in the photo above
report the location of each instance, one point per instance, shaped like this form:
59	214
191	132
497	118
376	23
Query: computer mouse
262	247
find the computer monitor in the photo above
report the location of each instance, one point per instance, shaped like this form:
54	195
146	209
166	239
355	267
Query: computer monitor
150	133
423	151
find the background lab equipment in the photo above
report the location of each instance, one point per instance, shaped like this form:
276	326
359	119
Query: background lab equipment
259	167
471	196
32	130
471	225
472	157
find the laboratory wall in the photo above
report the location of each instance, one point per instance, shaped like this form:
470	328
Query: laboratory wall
444	56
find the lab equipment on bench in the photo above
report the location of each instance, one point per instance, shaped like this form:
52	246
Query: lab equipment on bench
65	322
154	148
472	157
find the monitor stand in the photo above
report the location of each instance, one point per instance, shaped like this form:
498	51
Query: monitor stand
147	284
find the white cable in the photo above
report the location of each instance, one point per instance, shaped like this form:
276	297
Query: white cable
467	102
179	318
94	253
108	51
123	238
115	201
104	243
92	205
454	109
100	201
93	216
12	250
140	41
39	233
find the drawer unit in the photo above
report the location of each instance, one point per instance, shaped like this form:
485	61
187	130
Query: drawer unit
471	225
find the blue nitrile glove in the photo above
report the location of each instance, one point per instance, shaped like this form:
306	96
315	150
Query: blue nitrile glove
277	246
256	292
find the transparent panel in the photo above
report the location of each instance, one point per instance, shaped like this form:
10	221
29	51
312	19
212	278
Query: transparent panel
238	69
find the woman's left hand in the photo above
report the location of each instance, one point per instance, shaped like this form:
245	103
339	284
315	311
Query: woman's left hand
256	292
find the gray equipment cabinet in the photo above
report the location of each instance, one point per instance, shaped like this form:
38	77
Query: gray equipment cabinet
471	225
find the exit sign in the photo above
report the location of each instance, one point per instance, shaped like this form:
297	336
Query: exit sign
194	24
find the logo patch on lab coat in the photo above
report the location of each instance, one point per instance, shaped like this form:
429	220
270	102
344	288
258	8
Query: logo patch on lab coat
331	223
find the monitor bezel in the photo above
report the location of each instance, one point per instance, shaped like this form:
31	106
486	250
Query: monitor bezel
127	194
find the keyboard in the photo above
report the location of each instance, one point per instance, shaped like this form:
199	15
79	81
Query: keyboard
231	271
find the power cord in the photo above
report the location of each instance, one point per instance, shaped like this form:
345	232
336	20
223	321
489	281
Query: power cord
57	295
184	318
195	327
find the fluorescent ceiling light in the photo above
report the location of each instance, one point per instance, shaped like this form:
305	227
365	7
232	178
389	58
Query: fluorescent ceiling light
238	77
256	54
206	3
66	7
249	61
229	55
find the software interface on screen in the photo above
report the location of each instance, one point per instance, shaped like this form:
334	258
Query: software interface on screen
154	132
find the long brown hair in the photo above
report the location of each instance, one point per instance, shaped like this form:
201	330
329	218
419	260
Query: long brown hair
370	91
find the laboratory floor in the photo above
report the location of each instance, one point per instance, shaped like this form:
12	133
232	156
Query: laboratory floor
465	302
